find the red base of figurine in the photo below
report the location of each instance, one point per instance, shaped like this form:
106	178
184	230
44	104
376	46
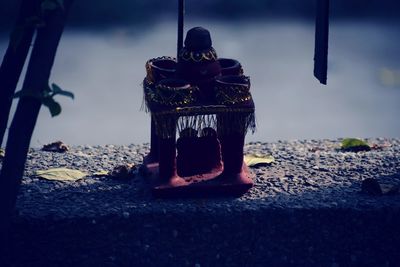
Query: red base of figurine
150	161
212	184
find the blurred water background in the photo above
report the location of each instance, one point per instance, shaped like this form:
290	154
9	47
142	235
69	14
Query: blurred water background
103	51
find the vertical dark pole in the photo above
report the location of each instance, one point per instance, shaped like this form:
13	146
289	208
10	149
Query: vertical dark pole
14	60
321	41
36	79
181	15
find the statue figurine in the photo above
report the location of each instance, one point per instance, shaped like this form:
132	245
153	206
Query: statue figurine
208	101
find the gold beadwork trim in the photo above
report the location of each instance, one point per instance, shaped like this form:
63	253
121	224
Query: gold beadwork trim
169	96
232	95
149	72
208	55
214	109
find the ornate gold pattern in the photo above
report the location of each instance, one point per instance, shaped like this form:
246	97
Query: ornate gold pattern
207	55
149	72
215	109
233	94
169	96
177	108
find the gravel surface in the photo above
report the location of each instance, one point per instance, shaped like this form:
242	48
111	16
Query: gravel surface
306	174
305	209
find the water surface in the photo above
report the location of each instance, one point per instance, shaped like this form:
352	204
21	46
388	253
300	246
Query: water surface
105	70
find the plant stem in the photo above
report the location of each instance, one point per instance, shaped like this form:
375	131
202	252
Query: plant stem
13	63
23	124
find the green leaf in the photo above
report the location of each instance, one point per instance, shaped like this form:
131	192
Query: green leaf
255	160
61	174
354	145
58	91
46	97
27	93
47	92
54	107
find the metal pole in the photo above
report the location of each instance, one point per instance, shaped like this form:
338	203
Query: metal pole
181	15
321	41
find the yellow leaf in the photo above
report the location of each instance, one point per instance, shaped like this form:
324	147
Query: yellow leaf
61	174
255	160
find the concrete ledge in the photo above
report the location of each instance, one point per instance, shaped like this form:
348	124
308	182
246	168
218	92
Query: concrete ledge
305	210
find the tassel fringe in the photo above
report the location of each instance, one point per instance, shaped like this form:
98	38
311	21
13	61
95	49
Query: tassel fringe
167	124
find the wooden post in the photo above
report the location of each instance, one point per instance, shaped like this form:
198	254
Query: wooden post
181	17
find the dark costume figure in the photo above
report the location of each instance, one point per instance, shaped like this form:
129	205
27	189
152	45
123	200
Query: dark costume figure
208	101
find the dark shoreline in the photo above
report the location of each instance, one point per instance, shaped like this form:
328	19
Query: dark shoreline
87	15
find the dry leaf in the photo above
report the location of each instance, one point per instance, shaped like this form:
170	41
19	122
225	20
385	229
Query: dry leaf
123	171
56	147
380	146
101	173
61	174
255	160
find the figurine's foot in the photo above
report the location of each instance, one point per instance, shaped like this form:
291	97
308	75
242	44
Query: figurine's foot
233	179
174	181
225	178
233	185
217	168
225	184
